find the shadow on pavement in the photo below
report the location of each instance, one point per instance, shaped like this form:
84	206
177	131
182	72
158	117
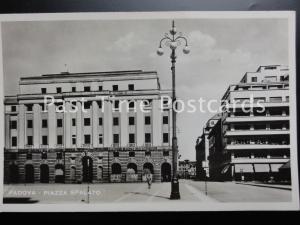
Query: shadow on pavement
147	194
19	201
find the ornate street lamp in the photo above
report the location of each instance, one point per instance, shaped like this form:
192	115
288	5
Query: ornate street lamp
173	41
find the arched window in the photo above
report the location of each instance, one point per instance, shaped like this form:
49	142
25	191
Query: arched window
29	173
116	168
132	168
44	173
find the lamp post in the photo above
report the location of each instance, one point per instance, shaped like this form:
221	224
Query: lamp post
173	41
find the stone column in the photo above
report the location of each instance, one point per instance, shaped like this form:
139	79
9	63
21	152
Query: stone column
21	126
95	124
36	125
79	125
140	121
157	123
124	124
52	125
67	128
107	132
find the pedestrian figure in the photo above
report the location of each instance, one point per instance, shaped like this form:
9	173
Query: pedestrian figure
149	180
148	176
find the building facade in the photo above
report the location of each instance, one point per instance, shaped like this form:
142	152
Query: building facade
87	127
209	148
255	127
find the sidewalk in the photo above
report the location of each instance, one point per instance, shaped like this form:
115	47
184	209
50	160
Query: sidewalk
277	186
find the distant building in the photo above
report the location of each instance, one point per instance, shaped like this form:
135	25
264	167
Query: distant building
209	148
256	143
104	143
187	169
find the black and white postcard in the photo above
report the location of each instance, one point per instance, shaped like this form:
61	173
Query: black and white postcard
148	111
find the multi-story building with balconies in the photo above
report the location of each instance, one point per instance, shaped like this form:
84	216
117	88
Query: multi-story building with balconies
85	132
255	126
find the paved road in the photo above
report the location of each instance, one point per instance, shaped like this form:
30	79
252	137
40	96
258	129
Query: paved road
233	192
190	191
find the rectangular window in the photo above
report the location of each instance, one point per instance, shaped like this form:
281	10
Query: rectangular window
131	104
44	90
116	121
100	121
165	120
13	108
99	104
44	123
100	139
165	153
58	90
131	120
116	138
59	155
13	124
147	120
73	122
147	153
29	124
87	139
87	121
87	88
45	140
29	140
59	123
116	104
59	139
131	154
147	138
14	141
131	138
29	108
44	155
73	89
166	137
253	79
87	105
100	88
115	87
130	87
116	154
73	139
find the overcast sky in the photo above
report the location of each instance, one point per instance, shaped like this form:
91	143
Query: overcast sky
222	50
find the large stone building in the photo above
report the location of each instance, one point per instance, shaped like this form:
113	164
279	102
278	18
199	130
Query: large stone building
256	140
86	133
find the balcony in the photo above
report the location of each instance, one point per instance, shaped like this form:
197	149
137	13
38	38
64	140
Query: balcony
131	177
87	145
255	132
265	104
255	146
44	146
260	160
131	145
115	178
255	118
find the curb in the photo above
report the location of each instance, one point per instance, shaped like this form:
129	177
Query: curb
267	186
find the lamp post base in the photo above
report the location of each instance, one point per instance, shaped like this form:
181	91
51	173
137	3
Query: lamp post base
175	189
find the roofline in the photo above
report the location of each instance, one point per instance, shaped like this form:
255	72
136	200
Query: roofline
106	74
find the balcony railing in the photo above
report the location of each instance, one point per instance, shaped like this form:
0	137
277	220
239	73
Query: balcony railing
116	178
256	146
131	177
256	132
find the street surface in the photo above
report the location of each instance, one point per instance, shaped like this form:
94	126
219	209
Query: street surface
190	191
